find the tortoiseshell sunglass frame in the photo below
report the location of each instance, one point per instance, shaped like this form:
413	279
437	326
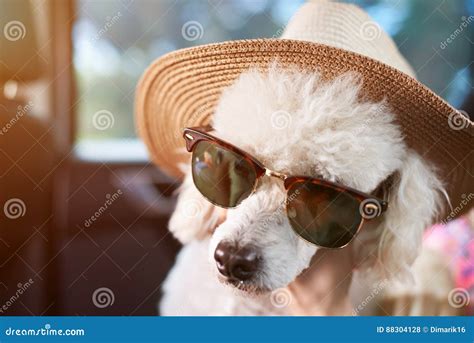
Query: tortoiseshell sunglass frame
373	204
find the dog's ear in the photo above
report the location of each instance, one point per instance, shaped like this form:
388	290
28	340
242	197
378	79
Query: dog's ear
194	217
415	197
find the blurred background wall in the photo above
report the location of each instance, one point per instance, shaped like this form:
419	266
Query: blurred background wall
83	213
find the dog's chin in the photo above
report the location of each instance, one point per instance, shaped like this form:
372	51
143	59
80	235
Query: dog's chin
248	288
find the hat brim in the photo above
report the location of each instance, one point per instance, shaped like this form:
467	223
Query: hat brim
183	87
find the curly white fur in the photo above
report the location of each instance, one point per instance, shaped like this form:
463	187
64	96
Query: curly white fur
296	123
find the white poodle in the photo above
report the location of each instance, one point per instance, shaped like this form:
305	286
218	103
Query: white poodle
296	123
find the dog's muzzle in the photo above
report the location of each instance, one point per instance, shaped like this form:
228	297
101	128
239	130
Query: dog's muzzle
236	263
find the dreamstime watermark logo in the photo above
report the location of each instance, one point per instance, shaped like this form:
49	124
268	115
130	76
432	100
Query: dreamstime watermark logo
103	120
280	298
198	115
370	31
103	297
192	30
21	111
366	123
373	293
22	287
281	208
14	30
109	22
458	298
280	120
458	120
109	200
47	330
466	199
465	21
278	32
192	208
370	208
14	208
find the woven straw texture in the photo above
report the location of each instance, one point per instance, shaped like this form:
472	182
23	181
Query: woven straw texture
182	88
347	27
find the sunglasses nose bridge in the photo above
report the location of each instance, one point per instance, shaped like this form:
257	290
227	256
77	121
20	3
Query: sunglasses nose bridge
272	173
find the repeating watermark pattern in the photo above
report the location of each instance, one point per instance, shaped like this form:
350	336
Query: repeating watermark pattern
282	208
370	208
103	120
466	199
458	298
192	30
192	208
103	297
280	120
370	31
366	123
22	288
465	21
21	111
280	298
371	296
278	32
14	30
110	21
197	114
14	208
109	200
458	120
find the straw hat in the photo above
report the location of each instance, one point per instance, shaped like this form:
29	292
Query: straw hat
182	88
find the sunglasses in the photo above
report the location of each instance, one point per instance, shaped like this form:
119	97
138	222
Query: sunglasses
321	212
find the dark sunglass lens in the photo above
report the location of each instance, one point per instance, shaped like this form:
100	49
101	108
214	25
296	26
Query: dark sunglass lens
322	215
222	176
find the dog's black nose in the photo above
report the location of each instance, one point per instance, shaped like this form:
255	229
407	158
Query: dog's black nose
235	262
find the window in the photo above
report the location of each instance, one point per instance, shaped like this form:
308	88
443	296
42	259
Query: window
114	41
